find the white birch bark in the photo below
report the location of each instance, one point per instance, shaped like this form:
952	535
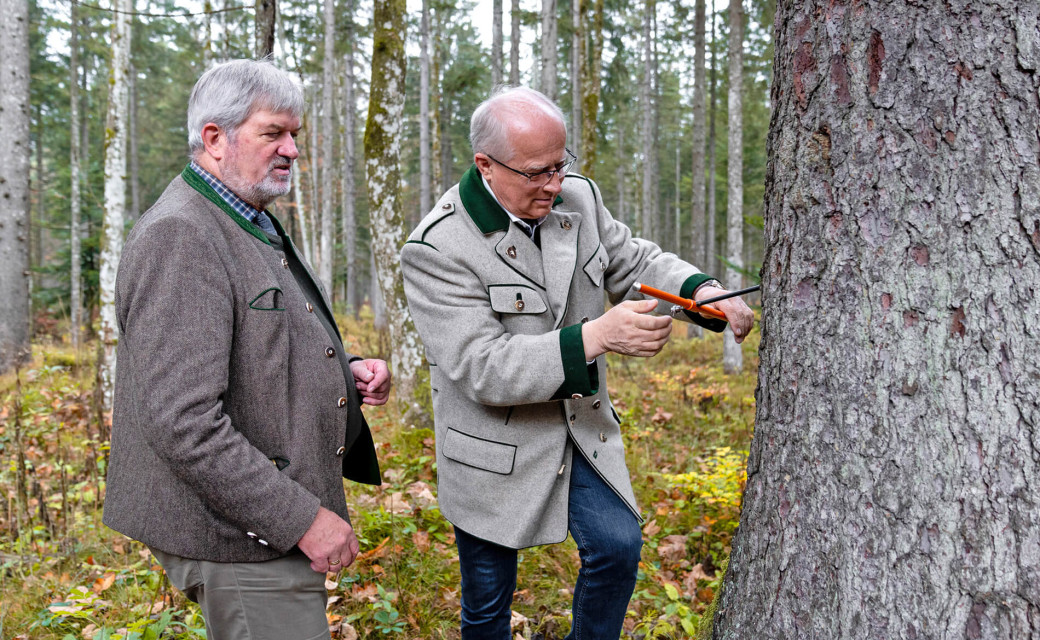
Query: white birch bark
116	133
14	183
732	353
328	90
548	59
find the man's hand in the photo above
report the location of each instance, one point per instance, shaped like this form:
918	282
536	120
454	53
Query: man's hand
329	543
372	378
628	330
738	314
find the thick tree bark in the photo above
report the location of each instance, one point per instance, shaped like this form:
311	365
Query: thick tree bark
893	478
382	161
328	207
266	10
514	43
75	296
349	156
496	47
14	183
732	354
116	134
548	66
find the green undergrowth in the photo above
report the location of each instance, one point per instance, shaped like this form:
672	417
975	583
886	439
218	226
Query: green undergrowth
64	575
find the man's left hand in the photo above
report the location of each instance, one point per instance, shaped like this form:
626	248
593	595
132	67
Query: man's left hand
738	314
373	380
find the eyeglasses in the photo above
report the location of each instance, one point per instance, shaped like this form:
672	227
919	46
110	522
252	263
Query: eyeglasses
542	178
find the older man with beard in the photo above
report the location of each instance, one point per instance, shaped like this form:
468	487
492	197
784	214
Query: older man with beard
237	409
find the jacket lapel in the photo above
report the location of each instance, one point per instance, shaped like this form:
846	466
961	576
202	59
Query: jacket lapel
559	255
517	250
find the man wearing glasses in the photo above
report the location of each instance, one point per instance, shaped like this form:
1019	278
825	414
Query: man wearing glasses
506	279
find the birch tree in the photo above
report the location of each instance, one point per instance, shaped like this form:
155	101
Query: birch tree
328	90
382	163
893	476
75	259
732	354
349	155
115	191
14	183
548	59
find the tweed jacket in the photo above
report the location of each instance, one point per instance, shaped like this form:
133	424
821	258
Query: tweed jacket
501	323
233	420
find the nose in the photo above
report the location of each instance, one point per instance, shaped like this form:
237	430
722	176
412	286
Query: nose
555	184
288	147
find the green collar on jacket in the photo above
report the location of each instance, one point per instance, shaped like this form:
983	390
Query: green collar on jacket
488	215
196	182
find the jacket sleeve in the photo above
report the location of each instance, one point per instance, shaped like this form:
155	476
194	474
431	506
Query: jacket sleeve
177	315
466	341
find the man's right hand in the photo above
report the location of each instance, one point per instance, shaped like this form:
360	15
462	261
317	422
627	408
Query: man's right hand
329	543
627	329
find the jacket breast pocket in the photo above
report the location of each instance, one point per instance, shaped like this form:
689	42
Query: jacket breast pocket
269	299
597	265
496	457
515	299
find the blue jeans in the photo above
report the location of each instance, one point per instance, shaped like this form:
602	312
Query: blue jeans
609	541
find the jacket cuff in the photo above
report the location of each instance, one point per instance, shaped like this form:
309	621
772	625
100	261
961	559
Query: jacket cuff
686	291
578	377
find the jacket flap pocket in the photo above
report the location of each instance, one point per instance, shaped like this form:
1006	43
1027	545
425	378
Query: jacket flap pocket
269	299
515	298
489	455
597	265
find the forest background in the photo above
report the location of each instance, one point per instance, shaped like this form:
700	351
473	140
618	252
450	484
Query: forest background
688	420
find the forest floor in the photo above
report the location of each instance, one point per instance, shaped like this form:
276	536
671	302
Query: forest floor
64	575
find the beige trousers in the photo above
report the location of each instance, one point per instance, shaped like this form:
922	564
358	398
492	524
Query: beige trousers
279	599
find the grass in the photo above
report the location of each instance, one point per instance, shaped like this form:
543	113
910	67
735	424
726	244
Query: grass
66	576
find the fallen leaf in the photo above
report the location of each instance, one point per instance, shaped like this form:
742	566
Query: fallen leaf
89	631
330	582
651	528
421	539
672	549
104	582
517	620
347	631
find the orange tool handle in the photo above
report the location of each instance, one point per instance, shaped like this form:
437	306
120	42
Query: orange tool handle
685	303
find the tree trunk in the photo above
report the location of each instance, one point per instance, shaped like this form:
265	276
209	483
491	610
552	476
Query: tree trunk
349	155
576	64
135	186
115	192
893	474
301	216
425	197
711	254
646	108
619	177
548	66
266	10
514	43
732	354
496	47
382	161
328	90
591	87
75	295
207	30
697	183
14	183
315	180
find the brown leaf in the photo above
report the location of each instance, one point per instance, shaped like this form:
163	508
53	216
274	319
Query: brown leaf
692	577
651	528
367	591
104	582
672	549
421	539
347	631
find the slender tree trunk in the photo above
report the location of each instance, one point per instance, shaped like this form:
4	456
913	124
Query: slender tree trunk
577	41
379	320
301	215
207	30
514	43
115	192
14	183
697	188
646	108
135	183
425	197
266	10
893	477
711	253
328	193
349	155
548	65
315	181
732	354
382	161
620	175
677	238
591	86
496	46
437	21
75	301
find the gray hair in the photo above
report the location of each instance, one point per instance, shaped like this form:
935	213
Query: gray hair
230	92
489	126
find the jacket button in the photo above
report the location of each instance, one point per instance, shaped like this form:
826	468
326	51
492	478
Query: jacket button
446	206
519	304
576	396
329	351
285	263
585	319
341	451
595	405
562	467
566	225
342	402
250	534
602	266
573	418
602	437
310	308
263	542
511	252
